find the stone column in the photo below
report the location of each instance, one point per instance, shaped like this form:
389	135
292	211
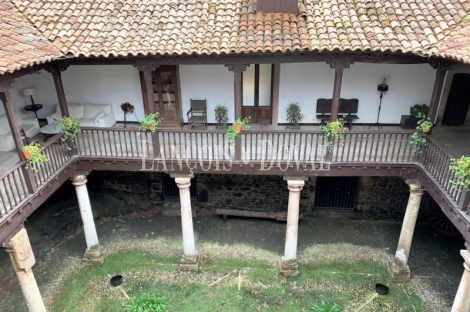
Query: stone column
289	265
22	258
94	252
462	298
398	267
189	260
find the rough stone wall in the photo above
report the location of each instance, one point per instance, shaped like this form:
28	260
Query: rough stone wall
382	198
249	192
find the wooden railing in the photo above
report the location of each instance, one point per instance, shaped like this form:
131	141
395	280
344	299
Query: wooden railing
436	160
12	188
58	153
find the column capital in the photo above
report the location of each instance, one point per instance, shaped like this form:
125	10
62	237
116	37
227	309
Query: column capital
340	64
295	185
237	68
56	68
79	178
466	257
146	66
6	85
417	191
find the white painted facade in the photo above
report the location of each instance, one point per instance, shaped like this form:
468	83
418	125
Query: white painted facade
299	82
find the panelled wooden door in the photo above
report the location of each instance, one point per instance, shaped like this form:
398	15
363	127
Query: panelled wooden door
458	101
257	93
165	95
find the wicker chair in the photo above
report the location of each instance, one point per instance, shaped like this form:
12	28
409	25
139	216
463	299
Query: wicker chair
197	114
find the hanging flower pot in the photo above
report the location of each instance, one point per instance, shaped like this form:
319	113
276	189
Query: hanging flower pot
27	155
151	127
150	122
237	128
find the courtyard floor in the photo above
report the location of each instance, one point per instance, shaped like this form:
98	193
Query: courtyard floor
435	262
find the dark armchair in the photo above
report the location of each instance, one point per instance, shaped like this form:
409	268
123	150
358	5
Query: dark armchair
197	114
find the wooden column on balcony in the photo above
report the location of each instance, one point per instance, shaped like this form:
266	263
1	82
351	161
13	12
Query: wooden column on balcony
338	66
55	69
149	106
441	71
5	97
238	70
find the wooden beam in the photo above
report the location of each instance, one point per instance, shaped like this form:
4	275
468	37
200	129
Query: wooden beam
338	66
55	69
441	72
238	70
21	72
147	68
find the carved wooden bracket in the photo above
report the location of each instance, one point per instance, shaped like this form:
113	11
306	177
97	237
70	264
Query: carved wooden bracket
441	65
56	67
147	66
339	64
237	68
6	85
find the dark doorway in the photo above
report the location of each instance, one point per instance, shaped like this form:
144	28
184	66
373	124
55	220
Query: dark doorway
458	101
257	82
171	190
336	193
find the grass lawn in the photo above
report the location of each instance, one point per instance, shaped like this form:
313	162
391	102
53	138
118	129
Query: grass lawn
243	285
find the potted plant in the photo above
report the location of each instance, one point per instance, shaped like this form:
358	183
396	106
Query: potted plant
150	122
34	156
461	169
418	140
424	123
293	114
69	127
220	110
418	109
333	130
238	123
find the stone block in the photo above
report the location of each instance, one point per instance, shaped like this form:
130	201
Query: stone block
288	268
398	274
94	255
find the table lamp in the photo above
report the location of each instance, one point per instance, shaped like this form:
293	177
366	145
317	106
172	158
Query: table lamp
30	92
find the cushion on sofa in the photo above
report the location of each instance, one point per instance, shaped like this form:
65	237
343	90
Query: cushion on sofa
100	114
88	122
91	110
76	110
29	130
4	126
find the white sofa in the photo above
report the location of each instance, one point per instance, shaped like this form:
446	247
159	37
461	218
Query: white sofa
89	115
29	125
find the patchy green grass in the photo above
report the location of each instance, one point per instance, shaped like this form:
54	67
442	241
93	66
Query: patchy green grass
232	285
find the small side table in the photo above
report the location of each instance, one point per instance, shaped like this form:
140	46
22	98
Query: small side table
49	130
33	108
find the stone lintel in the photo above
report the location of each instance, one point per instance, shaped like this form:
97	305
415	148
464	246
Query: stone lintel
94	255
288	267
190	262
399	274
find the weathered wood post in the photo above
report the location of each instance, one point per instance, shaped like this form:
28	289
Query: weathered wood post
289	264
237	70
190	258
22	258
398	267
462	298
94	252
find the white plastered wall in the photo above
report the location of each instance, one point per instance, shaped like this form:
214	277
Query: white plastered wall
305	83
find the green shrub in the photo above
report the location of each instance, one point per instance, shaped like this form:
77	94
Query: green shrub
324	307
145	303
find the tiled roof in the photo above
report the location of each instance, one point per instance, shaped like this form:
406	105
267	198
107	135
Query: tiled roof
21	45
206	27
457	45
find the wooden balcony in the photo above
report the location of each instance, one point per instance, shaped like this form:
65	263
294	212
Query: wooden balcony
298	153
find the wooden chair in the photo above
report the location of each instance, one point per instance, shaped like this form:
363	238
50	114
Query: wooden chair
197	114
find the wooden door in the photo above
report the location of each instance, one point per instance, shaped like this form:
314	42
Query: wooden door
336	193
257	93
458	101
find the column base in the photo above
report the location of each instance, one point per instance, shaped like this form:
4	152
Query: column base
399	274
190	263
288	267
94	255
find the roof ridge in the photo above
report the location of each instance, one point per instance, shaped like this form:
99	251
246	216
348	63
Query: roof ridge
37	30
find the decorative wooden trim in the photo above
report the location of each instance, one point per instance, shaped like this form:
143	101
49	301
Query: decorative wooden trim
6	85
340	64
148	66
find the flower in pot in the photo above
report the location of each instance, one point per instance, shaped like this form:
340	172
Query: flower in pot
461	170
238	123
424	123
293	114
333	130
418	140
69	127
418	109
221	110
150	123
34	156
127	107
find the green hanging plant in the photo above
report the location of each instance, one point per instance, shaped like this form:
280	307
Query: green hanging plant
34	156
418	140
461	169
69	127
150	123
333	130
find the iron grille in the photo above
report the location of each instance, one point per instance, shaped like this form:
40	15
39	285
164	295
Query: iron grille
170	189
336	193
